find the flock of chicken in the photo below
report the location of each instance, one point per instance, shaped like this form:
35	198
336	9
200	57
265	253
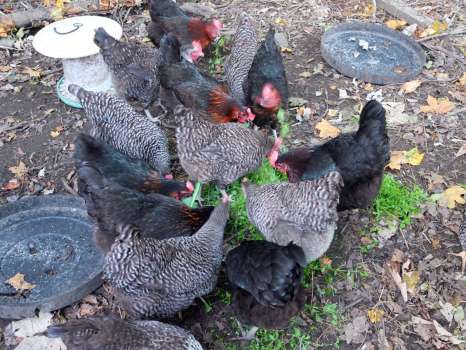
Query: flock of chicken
161	254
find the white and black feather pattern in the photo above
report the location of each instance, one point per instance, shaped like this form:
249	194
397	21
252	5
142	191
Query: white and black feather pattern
219	153
134	67
112	333
154	277
243	50
115	122
304	213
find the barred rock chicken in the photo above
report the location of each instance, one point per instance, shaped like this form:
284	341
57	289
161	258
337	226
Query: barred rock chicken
130	173
201	92
158	216
266	283
112	333
116	123
153	277
193	33
462	232
243	50
360	158
304	213
219	153
133	67
267	86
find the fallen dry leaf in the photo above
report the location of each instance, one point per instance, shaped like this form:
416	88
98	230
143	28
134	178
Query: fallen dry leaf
5	69
375	314
19	170
411	278
410	86
6	25
435	28
461	255
286	50
451	196
19	283
13	184
438	106
395	24
327	130
462	80
412	157
461	151
281	21
57	131
33	73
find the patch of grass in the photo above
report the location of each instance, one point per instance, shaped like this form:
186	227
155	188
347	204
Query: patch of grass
326	313
224	296
217	55
239	224
398	201
294	339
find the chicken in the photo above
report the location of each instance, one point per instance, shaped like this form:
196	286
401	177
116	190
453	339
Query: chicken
360	158
112	333
219	153
266	282
116	123
462	232
193	33
304	213
151	277
158	216
130	173
202	93
133	67
267	86
243	50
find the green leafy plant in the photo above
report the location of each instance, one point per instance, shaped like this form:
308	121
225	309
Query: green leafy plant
398	201
217	54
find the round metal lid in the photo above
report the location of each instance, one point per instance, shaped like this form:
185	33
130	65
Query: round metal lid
372	52
73	37
49	240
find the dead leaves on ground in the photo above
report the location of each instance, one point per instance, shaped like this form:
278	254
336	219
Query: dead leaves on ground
438	106
396	24
412	157
375	315
19	283
410	86
450	197
404	275
327	130
19	170
6	25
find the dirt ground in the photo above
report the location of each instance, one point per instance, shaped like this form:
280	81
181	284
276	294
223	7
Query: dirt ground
37	130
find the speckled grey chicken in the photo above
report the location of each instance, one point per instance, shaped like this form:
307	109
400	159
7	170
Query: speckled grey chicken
115	122
219	153
304	213
150	277
158	216
112	333
266	283
133	67
243	50
462	233
130	173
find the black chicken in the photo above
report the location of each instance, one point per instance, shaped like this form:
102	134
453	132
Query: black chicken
267	86
360	158
266	279
119	168
157	215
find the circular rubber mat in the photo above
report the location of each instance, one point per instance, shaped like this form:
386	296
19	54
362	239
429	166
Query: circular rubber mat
372	53
49	240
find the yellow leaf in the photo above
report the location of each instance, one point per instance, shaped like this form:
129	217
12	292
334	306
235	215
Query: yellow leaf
410	86
451	196
435	28
327	130
437	106
281	21
33	73
5	69
375	314
286	50
56	132
395	24
414	157
396	159
411	278
368	10
332	112
19	170
462	80
19	283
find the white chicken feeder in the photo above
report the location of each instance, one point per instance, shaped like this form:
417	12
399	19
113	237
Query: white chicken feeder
72	40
